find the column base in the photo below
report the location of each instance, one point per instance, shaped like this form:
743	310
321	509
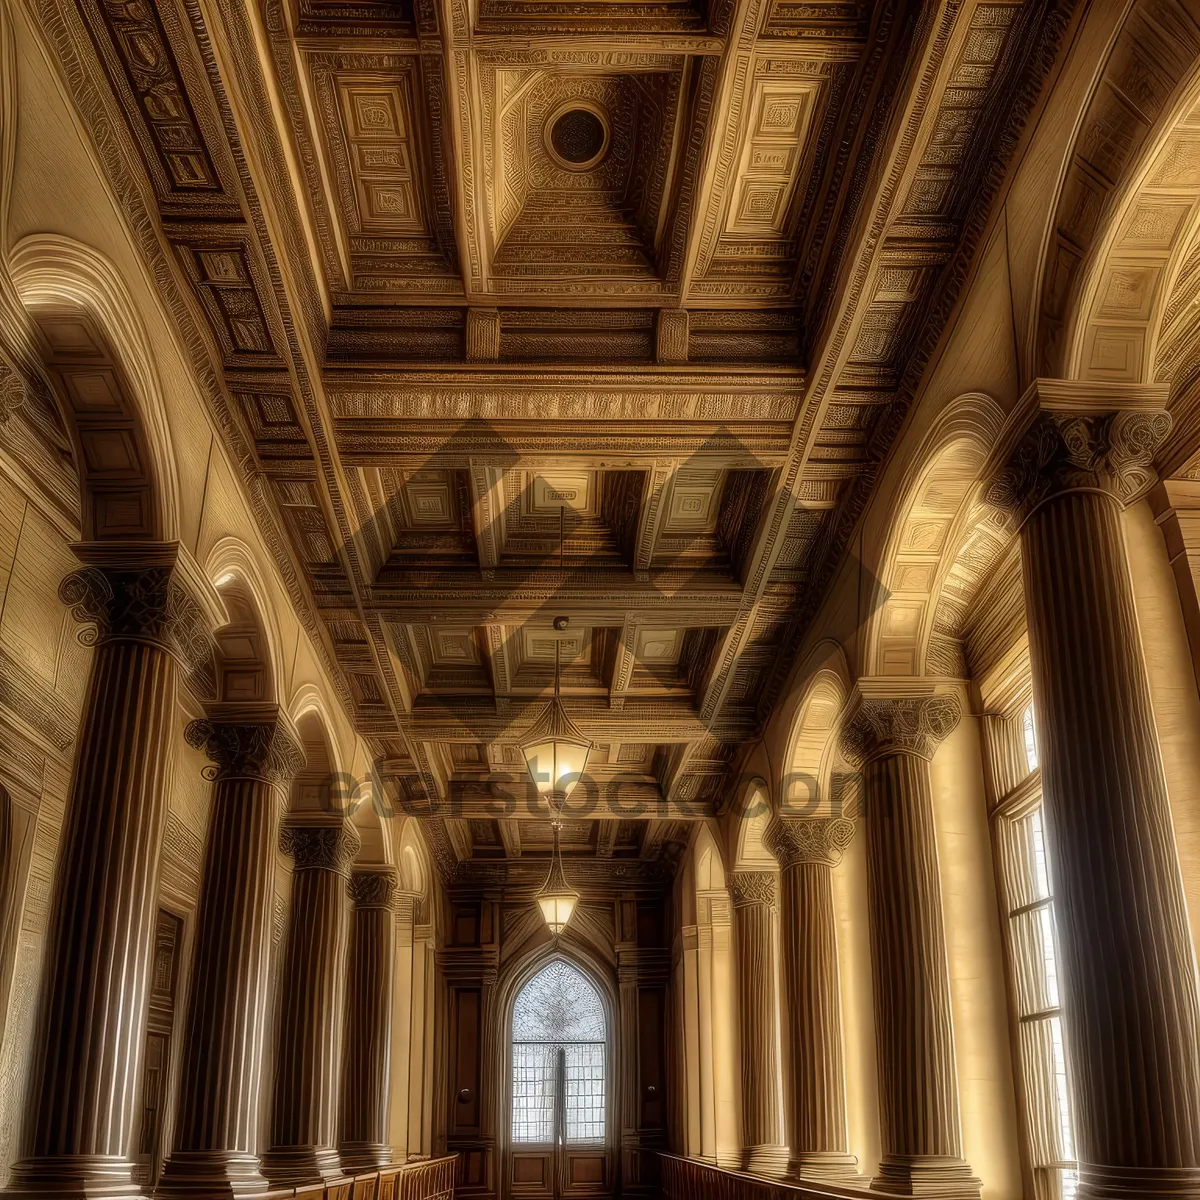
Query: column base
826	1165
1122	1183
769	1161
219	1174
926	1175
357	1157
295	1165
74	1177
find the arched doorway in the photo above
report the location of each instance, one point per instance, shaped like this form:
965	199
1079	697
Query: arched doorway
559	1086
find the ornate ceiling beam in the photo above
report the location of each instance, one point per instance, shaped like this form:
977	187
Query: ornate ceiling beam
602	604
743	19
467	190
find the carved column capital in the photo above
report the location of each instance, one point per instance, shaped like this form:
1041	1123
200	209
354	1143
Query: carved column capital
321	847
898	725
752	887
1070	451
797	840
254	745
142	593
373	887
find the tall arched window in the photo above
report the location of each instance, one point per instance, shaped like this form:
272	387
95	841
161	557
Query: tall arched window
559	1042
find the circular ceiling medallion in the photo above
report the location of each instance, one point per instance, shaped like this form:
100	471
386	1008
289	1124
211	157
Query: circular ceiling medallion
577	135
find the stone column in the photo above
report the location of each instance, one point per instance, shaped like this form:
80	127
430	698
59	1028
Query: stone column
893	739
309	1047
91	1031
807	850
753	893
367	1060
256	755
1129	995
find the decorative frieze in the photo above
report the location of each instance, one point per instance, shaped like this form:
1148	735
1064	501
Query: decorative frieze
142	597
320	847
1063	452
264	749
373	888
796	840
752	887
902	725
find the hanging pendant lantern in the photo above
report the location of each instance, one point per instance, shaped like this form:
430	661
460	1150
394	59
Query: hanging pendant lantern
556	750
557	899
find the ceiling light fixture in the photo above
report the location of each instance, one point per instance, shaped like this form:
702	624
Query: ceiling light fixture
556	752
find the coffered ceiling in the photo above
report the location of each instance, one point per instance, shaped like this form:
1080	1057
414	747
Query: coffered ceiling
520	309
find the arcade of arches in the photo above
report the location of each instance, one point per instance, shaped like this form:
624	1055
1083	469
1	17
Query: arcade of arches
793	406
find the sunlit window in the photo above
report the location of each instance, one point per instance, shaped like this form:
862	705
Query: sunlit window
1033	955
559	1035
1031	750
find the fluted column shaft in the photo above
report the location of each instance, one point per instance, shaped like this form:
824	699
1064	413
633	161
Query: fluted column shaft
256	756
893	740
308	1056
807	851
91	1033
754	920
367	1059
1130	1009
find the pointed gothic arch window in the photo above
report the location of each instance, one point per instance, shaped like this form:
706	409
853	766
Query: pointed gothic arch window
559	1045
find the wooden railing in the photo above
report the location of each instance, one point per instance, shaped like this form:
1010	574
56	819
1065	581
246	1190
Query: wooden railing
430	1179
689	1179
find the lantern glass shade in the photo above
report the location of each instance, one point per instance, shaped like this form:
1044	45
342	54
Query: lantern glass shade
557	910
556	753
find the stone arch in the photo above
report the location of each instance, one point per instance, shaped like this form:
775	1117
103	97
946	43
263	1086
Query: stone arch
412	862
313	790
807	785
1123	213
99	359
754	815
251	640
941	541
246	671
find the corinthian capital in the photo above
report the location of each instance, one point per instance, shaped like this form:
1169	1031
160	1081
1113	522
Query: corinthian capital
752	887
143	593
246	743
808	840
321	847
899	725
373	888
1069	451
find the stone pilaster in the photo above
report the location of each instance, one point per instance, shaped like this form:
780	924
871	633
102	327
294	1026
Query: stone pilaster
753	893
255	754
892	740
1130	1009
366	1061
309	1049
807	850
145	623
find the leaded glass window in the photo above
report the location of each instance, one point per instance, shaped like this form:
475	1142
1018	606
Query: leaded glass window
559	1035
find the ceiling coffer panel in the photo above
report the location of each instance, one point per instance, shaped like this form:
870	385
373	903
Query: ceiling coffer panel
384	166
